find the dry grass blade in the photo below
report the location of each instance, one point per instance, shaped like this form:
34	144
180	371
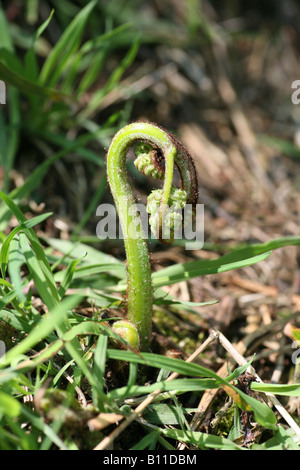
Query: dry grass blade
103	420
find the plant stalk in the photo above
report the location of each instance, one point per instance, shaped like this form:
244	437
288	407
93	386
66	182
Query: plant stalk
139	285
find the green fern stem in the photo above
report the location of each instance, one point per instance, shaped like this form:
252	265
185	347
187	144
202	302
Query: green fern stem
139	286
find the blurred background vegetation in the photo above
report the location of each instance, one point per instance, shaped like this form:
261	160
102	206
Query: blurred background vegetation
216	74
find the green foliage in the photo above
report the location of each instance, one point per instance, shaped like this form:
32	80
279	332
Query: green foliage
55	92
52	338
53	345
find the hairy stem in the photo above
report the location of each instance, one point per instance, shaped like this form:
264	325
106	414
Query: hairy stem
139	286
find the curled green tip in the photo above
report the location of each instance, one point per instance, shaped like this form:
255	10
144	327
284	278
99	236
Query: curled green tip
127	331
173	219
147	161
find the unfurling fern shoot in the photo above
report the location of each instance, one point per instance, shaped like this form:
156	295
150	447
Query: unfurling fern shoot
157	153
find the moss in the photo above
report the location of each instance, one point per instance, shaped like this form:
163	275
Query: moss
169	327
59	405
224	424
7	334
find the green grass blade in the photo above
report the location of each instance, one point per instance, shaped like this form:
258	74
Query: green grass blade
146	441
7	298
5	283
5	37
37	176
89	255
43	26
28	87
234	260
200	439
15	260
4	252
262	413
88	271
93	54
236	432
282	440
98	96
178	385
35	257
163	362
42	277
9	405
10	142
165	414
39	267
259	248
15	320
91	209
31	69
185	271
68	275
13	135
289	390
69	42
167	301
44	327
284	146
99	368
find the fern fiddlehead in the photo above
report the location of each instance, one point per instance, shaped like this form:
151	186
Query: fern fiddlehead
157	153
